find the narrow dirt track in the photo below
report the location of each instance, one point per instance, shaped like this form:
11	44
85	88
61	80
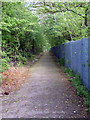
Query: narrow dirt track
47	94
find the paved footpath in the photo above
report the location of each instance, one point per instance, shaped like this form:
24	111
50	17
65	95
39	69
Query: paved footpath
47	94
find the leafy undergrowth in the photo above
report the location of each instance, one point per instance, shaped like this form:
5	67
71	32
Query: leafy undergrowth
13	78
81	90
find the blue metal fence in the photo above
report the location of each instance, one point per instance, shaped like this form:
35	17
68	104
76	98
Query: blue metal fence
77	57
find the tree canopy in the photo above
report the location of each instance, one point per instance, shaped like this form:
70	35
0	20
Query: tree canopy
28	29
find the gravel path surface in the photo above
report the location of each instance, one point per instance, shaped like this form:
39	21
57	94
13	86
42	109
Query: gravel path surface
47	94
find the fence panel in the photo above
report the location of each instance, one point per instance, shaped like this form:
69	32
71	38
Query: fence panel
89	63
68	55
85	62
77	57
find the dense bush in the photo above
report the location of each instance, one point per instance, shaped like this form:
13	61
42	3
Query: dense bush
22	36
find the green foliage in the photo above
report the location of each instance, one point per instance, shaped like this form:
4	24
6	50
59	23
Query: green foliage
4	61
25	33
65	21
87	101
22	35
4	65
61	61
80	88
69	72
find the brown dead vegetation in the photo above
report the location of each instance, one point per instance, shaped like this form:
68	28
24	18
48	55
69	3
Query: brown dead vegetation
13	78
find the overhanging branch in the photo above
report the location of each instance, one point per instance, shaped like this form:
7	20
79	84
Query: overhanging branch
75	12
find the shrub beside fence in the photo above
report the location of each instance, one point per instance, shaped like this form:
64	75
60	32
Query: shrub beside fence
77	57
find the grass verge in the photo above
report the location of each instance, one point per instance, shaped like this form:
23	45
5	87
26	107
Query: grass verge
77	83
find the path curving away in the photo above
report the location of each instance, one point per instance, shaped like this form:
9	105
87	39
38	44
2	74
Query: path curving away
47	94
